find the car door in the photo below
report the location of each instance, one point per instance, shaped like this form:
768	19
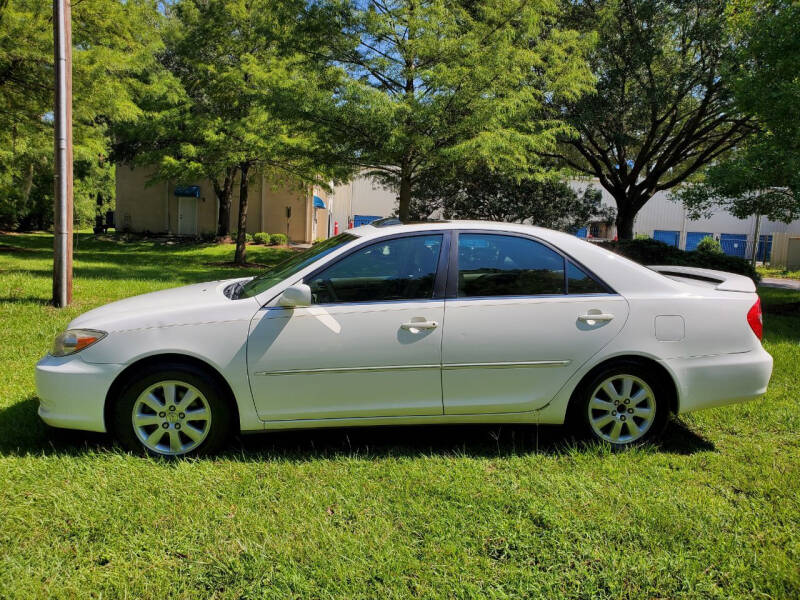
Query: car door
368	346
519	323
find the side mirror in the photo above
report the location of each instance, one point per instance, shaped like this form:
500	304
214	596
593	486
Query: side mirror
296	295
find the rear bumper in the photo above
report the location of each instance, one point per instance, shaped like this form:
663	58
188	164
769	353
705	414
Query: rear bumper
708	381
72	393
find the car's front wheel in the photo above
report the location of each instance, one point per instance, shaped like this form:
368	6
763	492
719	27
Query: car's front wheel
171	410
623	404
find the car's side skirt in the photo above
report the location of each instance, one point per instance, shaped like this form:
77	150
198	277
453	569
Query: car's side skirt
528	417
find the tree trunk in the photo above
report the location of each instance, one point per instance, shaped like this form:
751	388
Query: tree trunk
27	185
224	194
405	199
756	236
241	232
404	205
625	218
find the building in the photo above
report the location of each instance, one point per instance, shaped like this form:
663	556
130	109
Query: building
359	202
191	208
667	221
308	213
363	201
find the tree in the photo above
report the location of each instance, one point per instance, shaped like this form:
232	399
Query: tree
221	106
663	109
479	193
431	81
113	42
762	176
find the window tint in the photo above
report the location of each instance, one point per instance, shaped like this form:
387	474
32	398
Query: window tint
578	282
397	269
501	265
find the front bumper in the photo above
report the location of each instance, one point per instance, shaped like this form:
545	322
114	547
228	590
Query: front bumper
708	381
72	393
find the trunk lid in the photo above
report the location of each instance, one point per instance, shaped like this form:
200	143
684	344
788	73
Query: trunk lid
718	280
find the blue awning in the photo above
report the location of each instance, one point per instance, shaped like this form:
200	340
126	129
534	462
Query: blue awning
187	191
319	202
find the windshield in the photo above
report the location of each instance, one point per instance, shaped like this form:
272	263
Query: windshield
292	265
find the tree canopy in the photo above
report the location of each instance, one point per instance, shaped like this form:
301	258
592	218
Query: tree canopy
113	43
479	193
433	81
762	175
217	106
662	108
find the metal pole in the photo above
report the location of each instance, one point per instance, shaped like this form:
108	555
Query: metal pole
62	221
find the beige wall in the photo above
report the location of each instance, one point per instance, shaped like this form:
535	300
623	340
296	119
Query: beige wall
140	207
785	251
143	207
153	207
276	196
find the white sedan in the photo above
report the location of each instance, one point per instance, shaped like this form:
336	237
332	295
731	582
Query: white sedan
449	322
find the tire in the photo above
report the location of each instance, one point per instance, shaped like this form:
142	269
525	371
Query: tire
640	393
198	421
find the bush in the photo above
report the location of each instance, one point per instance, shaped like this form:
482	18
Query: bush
261	238
652	252
248	237
278	239
709	245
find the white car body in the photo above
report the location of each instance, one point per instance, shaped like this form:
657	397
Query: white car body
486	359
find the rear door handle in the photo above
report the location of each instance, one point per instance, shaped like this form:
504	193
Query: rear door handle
416	326
591	319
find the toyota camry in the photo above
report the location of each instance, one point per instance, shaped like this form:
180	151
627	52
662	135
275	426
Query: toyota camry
391	323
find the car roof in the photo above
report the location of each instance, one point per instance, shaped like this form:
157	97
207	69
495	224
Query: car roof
391	226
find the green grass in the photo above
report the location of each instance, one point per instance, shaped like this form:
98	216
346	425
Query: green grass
777	272
457	512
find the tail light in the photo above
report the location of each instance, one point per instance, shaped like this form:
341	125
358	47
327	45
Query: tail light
755	319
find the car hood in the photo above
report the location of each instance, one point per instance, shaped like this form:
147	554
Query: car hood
200	302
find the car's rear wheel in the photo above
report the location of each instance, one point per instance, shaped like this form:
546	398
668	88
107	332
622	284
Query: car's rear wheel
174	410
624	404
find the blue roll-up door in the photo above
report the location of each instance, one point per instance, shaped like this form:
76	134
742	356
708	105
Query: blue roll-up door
360	220
734	244
693	238
667	236
582	232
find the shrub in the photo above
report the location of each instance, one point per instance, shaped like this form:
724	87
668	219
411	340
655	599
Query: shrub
709	245
261	238
248	237
652	252
278	239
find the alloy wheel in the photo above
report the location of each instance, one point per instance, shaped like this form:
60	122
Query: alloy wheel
622	409
171	418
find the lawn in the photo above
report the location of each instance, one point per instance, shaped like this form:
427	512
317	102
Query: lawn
777	272
456	512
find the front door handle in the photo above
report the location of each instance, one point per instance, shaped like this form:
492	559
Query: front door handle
417	326
593	318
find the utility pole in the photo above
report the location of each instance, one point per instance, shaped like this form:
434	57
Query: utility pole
62	222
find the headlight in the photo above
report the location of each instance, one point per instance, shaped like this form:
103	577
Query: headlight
75	340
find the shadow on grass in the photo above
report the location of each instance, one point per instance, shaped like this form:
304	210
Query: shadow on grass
23	433
40	300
